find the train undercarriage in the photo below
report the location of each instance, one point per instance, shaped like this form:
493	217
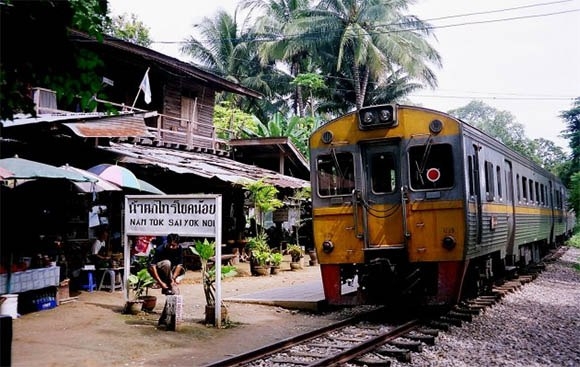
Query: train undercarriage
393	280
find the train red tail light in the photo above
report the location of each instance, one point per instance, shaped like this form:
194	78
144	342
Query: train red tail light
449	243
327	246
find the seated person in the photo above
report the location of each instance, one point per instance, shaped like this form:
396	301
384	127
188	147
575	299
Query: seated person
98	254
167	264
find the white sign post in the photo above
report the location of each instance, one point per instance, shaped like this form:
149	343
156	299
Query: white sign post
186	215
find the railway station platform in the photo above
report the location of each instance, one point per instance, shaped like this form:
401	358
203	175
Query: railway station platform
308	296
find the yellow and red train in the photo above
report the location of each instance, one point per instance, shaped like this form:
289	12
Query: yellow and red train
412	201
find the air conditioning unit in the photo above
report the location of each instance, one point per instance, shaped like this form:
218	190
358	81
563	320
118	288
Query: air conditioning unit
44	99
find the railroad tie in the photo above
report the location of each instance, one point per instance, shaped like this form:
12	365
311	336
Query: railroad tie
427	331
401	355
460	315
451	320
411	345
427	339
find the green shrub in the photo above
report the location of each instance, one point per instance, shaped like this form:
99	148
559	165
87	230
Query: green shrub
574	241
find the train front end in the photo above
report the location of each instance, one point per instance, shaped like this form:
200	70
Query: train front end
388	213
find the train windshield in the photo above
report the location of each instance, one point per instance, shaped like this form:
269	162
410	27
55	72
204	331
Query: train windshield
431	166
335	174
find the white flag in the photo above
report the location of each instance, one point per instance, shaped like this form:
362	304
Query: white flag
146	88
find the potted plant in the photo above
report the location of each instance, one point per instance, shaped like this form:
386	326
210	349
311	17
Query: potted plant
259	254
140	283
296	254
261	262
275	261
206	250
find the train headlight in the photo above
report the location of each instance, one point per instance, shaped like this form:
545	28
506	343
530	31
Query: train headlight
327	246
377	117
449	243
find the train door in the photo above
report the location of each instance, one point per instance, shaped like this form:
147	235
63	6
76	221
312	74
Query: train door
382	217
477	192
510	208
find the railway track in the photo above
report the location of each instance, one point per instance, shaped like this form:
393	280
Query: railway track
365	340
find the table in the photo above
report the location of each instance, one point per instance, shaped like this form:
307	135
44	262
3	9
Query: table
30	279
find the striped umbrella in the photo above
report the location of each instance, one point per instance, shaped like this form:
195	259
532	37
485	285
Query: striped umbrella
118	175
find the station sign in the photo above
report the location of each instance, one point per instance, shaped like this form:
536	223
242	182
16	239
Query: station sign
186	215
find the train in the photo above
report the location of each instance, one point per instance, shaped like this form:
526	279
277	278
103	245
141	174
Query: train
413	203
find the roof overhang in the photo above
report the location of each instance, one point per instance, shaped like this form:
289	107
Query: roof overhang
202	165
178	66
89	125
113	127
267	149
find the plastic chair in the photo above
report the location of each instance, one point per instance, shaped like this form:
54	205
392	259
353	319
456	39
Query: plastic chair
91	286
113	284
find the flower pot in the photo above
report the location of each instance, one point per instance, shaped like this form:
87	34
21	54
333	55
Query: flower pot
210	315
149	302
261	270
295	265
313	258
133	307
274	269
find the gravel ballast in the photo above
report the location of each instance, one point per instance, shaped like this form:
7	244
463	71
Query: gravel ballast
537	325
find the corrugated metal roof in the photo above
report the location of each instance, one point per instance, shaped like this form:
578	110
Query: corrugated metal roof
91	125
201	164
111	127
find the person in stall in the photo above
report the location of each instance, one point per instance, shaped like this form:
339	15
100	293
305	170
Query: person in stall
99	255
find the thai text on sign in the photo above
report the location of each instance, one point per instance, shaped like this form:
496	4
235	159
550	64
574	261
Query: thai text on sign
191	215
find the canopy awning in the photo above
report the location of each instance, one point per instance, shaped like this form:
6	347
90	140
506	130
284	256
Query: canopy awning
202	164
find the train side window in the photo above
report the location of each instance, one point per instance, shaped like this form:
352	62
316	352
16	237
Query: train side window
518	188
543	201
498	176
335	174
489	181
525	188
531	191
470	174
537	186
383	173
431	166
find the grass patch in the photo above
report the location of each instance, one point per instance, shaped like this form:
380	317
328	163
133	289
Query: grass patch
574	241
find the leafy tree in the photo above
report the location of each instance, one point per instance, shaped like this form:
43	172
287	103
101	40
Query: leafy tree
53	62
499	124
312	82
552	157
129	28
574	194
296	128
572	133
231	121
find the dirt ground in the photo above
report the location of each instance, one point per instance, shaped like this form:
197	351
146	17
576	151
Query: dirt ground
93	331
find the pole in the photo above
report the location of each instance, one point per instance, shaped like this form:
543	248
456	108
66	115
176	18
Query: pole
218	262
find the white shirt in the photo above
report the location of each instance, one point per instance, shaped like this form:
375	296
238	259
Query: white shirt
97	246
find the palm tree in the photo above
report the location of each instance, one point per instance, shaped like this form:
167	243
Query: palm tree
371	39
229	50
274	29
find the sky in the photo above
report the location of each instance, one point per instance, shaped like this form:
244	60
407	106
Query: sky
520	56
